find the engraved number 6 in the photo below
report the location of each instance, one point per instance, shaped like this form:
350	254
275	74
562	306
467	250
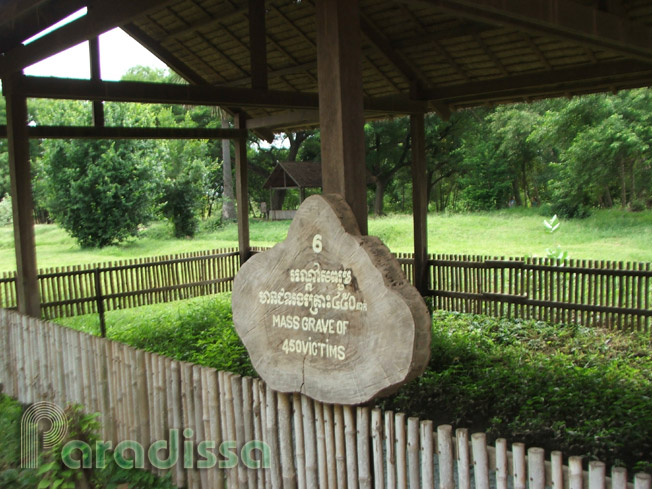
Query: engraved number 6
316	243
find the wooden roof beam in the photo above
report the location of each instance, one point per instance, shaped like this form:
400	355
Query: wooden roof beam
404	66
17	29
285	119
204	23
104	16
165	93
93	132
557	18
542	82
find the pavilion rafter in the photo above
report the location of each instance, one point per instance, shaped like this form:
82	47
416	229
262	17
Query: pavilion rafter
558	18
98	20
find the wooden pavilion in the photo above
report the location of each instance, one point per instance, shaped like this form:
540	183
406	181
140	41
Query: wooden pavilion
280	64
292	175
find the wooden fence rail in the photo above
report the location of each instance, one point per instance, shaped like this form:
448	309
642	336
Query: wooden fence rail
142	396
592	293
86	289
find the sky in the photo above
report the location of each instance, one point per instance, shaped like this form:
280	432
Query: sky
118	53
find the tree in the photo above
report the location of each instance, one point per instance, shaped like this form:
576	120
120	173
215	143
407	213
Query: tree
388	151
100	192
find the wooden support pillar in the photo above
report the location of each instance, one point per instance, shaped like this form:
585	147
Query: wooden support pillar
341	117
419	202
242	190
96	75
23	206
257	44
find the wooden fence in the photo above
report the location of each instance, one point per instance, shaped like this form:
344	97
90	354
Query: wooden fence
141	396
85	289
592	293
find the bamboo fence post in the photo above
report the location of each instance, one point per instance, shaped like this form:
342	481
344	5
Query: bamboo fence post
248	418
575	473
390	449
350	443
179	474
428	455
597	477
310	441
413	452
289	475
618	478
480	460
300	450
331	454
377	447
340	446
212	417
236	386
537	468
322	454
200	432
401	451
259	430
519	466
642	481
272	427
445	454
364	465
502	471
557	470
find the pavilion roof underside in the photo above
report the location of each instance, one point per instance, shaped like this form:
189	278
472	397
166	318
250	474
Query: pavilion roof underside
450	53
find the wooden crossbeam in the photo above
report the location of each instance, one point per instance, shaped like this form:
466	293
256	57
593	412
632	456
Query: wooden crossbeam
17	28
557	18
540	82
165	93
402	64
103	17
285	119
92	132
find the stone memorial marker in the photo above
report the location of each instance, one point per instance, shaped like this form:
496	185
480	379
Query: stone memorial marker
328	312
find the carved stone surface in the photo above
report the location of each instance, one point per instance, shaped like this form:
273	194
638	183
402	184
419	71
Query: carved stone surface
328	312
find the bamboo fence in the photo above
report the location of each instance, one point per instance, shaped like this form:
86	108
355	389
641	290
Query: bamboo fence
587	292
141	396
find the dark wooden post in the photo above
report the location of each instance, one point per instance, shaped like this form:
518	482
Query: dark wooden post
341	116
257	44
419	202
23	205
241	190
96	75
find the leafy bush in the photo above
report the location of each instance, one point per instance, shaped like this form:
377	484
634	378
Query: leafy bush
584	391
99	192
200	331
570	209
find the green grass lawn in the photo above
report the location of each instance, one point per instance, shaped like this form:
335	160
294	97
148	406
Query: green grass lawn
606	235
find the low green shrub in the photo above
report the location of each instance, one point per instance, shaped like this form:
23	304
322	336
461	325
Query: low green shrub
580	390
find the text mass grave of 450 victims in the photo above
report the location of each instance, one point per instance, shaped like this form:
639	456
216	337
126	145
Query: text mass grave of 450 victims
328	312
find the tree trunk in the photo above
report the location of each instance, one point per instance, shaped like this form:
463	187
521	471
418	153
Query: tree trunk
623	185
379	197
228	202
608	201
516	193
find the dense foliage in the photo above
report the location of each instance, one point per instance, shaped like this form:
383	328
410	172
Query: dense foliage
584	391
52	472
